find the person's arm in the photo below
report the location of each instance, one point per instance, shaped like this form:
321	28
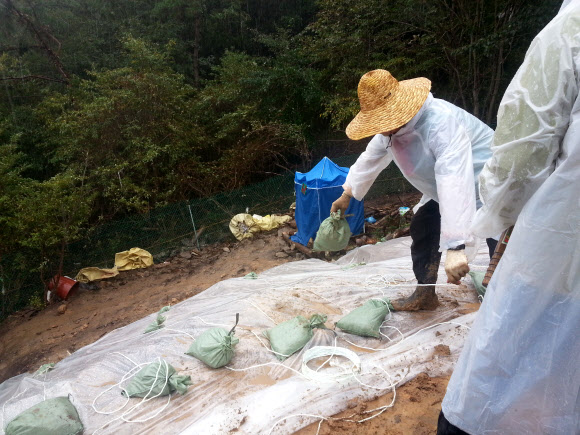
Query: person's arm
364	172
451	147
532	120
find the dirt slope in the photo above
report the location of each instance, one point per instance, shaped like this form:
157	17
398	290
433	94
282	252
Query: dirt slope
29	339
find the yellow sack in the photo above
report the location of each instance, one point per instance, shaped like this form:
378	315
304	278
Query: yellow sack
270	222
243	226
134	258
89	274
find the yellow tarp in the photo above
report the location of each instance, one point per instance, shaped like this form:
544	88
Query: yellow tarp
243	226
89	274
134	258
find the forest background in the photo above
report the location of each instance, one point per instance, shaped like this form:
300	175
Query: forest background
115	108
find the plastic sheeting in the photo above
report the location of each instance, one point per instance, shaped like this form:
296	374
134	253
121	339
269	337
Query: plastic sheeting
519	372
441	152
253	399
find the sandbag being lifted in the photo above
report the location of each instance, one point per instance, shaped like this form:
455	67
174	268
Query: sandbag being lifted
333	234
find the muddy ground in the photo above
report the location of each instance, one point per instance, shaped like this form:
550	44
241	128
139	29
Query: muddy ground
31	338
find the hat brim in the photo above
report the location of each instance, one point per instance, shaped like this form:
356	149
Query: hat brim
399	110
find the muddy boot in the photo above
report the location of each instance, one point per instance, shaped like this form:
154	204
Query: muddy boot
423	298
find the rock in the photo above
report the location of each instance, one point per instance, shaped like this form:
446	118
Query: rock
226	249
62	309
186	255
173	301
281	254
187	243
359	241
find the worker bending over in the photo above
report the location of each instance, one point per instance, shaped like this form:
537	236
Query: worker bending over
440	149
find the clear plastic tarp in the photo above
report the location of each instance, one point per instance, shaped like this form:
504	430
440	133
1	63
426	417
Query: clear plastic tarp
256	393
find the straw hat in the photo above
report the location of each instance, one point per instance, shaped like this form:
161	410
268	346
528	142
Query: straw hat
385	103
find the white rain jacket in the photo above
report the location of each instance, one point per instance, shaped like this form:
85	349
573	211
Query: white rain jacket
519	372
441	151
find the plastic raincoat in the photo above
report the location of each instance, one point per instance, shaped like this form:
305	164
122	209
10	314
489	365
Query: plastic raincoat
441	151
519	372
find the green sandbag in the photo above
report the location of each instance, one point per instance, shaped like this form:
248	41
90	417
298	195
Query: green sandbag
477	278
57	416
291	336
158	322
333	234
215	347
366	319
157	379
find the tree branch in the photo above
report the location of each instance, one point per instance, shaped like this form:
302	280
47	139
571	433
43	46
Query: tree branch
35	77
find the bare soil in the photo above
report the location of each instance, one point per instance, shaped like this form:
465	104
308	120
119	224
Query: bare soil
31	338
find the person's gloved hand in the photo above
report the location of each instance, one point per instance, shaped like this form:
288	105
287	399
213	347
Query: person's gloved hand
456	266
341	204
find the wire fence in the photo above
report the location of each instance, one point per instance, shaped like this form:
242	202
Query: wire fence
169	230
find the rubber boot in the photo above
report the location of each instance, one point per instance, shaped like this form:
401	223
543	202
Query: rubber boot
423	298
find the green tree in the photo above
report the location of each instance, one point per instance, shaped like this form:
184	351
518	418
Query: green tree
51	215
125	132
468	49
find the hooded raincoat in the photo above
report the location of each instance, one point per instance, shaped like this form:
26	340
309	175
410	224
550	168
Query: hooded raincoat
519	372
441	151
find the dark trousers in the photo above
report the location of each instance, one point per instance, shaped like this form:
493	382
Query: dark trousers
446	428
425	233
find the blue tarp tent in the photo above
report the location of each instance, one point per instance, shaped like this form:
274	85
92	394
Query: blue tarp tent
315	192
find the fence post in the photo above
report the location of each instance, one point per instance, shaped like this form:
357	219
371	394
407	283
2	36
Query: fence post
194	230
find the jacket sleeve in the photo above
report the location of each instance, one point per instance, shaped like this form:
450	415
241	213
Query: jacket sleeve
532	120
451	147
368	166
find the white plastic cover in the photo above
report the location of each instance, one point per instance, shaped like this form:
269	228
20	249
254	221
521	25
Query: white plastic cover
519	372
441	152
253	400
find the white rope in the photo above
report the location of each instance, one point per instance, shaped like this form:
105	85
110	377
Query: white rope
329	358
267	348
392	327
145	399
264	365
320	351
380	409
181	332
9	400
211	324
259	309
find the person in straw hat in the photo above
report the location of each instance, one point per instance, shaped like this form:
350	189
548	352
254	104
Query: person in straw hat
440	149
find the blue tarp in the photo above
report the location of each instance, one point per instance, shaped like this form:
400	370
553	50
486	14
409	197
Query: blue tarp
315	192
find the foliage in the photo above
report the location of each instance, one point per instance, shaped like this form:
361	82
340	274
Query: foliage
115	108
124	131
469	49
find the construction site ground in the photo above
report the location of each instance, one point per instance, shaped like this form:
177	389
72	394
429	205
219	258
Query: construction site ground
31	338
